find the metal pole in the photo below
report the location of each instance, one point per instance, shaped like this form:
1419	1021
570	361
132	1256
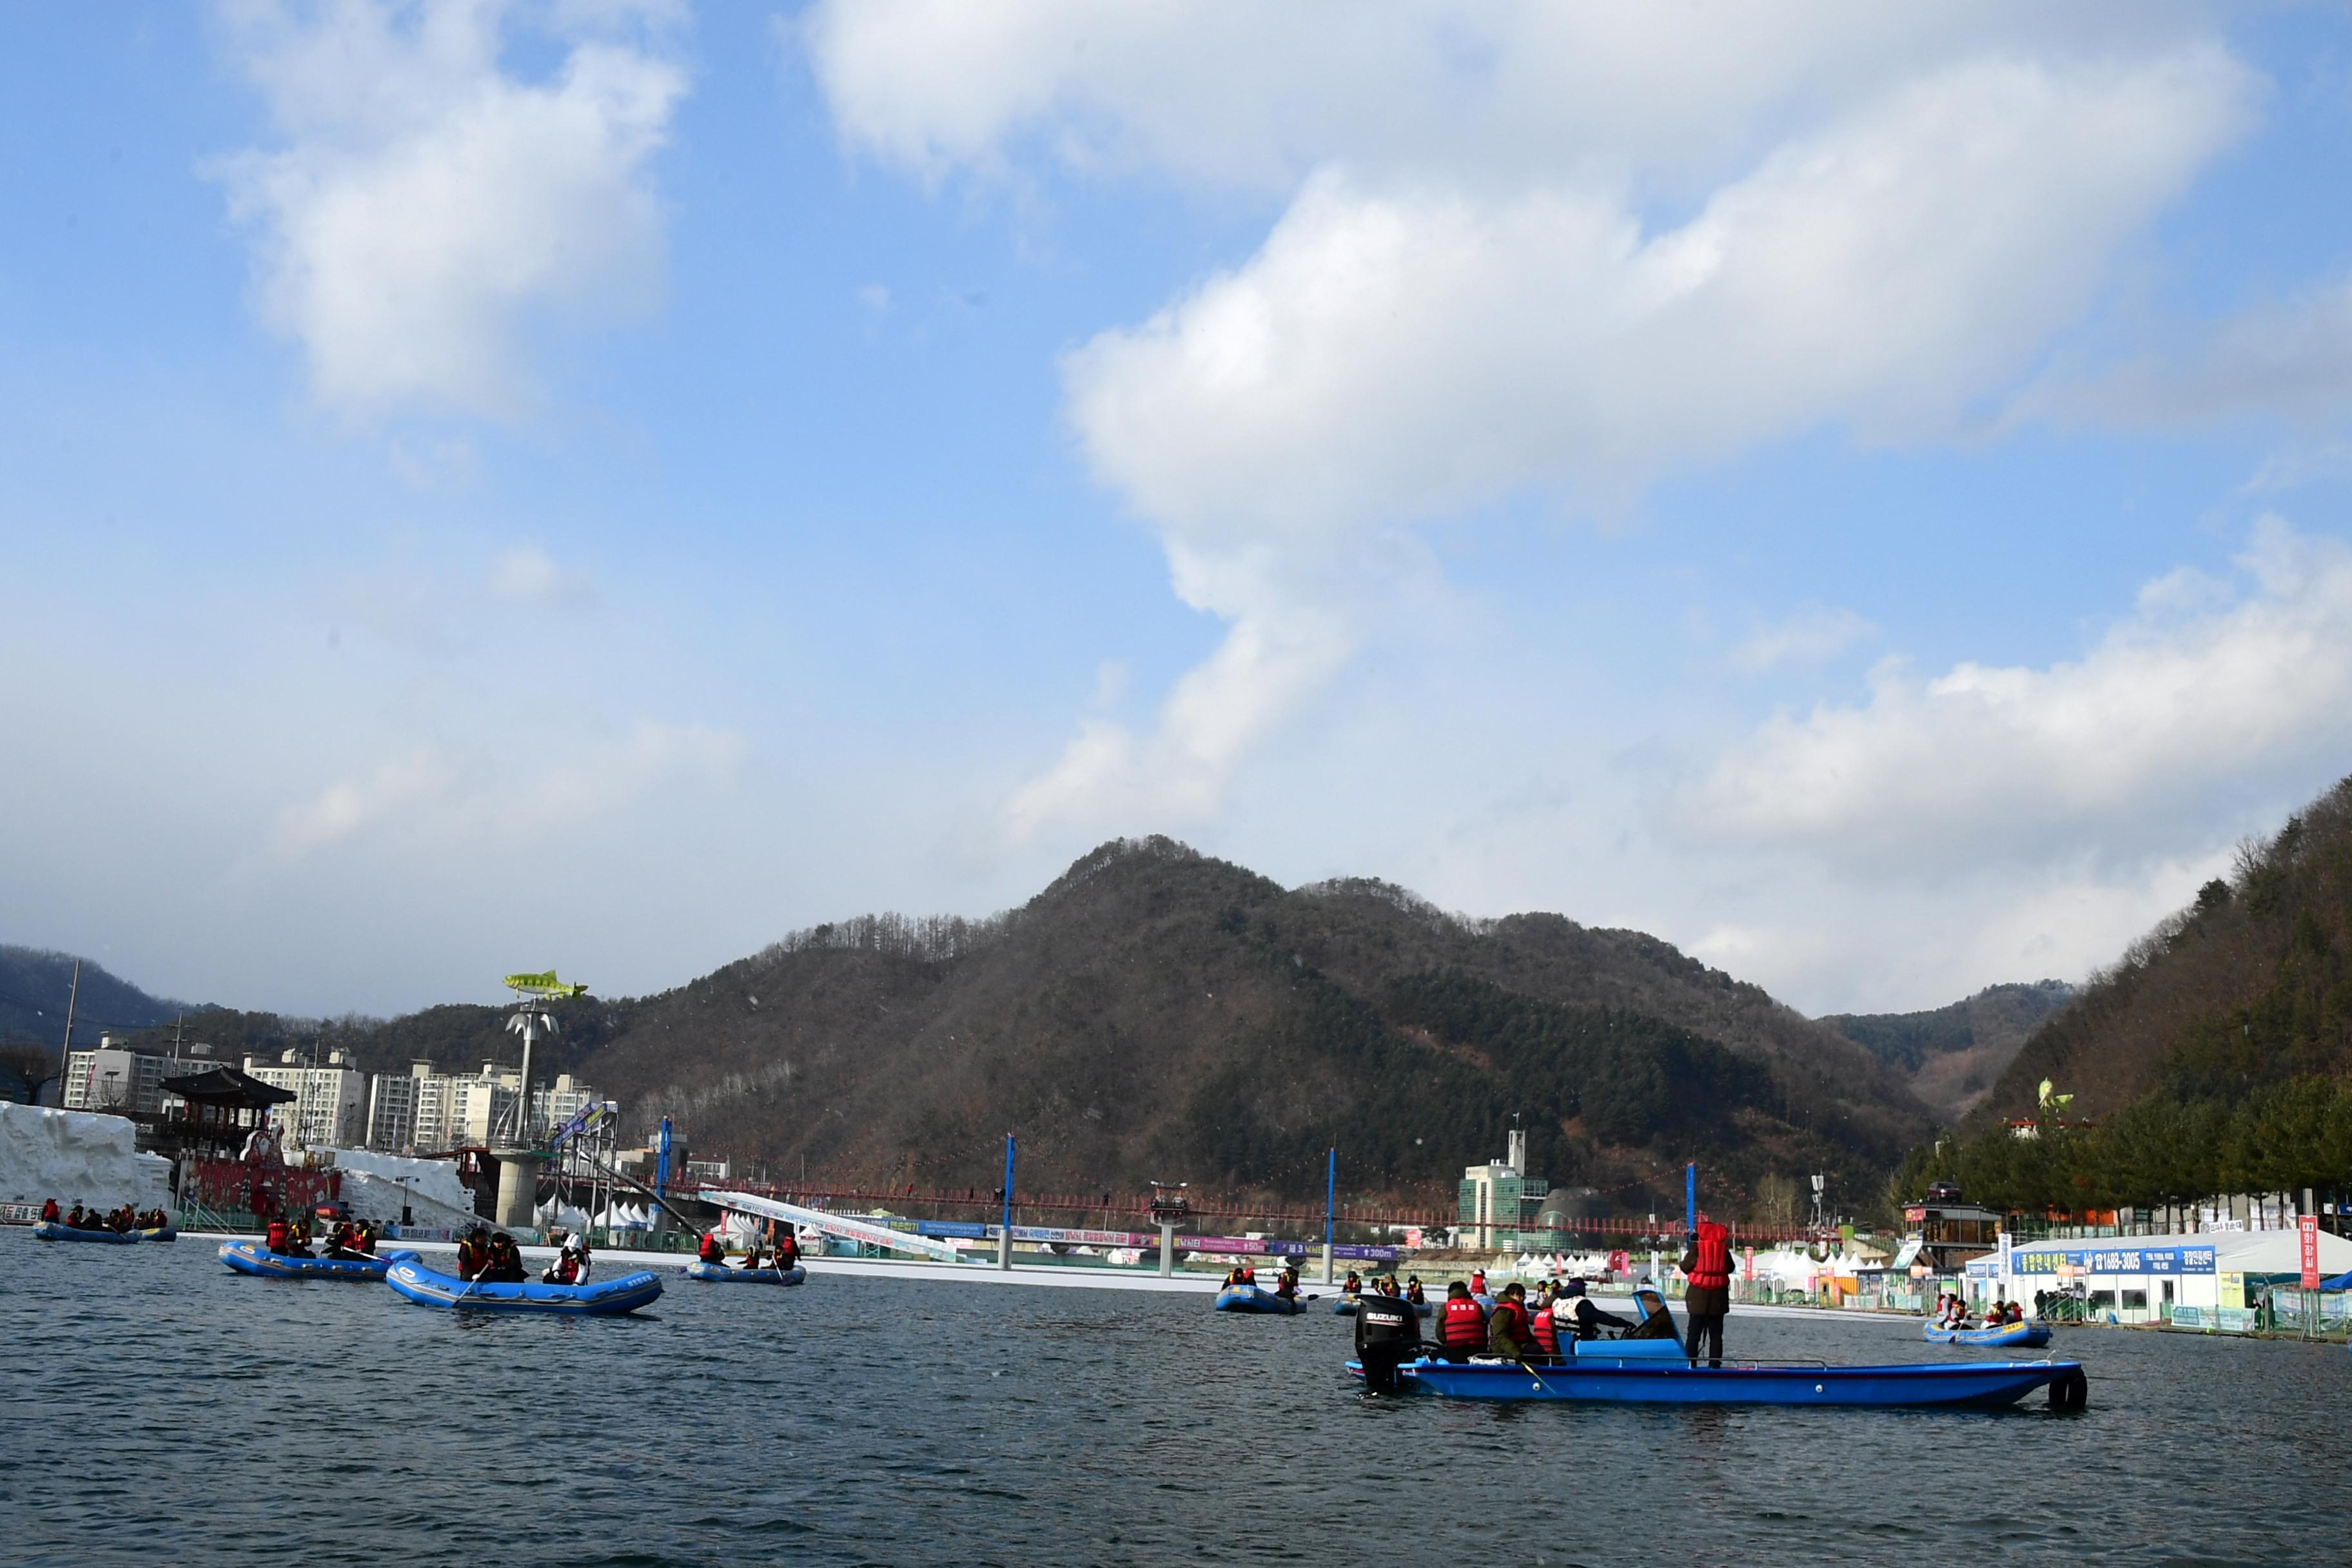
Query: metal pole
65	1058
1331	1201
1004	1241
1690	1200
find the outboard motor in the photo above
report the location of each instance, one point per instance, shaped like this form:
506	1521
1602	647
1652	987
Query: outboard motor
1388	1334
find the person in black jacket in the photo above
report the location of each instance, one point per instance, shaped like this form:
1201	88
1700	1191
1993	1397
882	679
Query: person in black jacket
1388	1334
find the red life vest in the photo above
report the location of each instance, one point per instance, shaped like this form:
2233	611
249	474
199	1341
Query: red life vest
1463	1325
1478	1283
1546	1332
276	1238
1249	1276
712	1252
1511	1317
788	1252
50	1212
1711	1270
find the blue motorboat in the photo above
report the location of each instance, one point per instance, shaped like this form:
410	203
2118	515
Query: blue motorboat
1250	1298
720	1274
1657	1372
51	1230
2003	1336
601	1298
252	1257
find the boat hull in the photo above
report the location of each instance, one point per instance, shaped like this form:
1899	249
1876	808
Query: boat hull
252	1257
2009	1336
160	1233
49	1230
601	1298
1647	1381
719	1274
1250	1298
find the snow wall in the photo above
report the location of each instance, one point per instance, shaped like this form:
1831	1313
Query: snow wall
435	1180
76	1157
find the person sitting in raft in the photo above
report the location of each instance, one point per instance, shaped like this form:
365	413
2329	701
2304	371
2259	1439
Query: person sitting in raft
570	1264
1388	1287
1414	1292
506	1262
473	1253
754	1260
1233	1277
1285	1284
73	1220
1461	1324
1477	1281
347	1243
1508	1331
1579	1309
1545	1328
1249	1275
713	1249
1352	1285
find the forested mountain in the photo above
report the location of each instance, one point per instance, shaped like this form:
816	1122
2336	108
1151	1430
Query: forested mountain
35	983
1951	1055
2212	1057
1155	1012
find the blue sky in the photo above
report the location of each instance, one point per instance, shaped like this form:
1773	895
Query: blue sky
1859	493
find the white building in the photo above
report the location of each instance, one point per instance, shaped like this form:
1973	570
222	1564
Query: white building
429	1111
330	1109
2202	1279
118	1079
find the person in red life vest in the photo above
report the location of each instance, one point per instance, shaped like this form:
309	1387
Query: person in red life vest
1707	1298
1414	1292
49	1211
1233	1277
1508	1331
1353	1286
1249	1275
1461	1324
788	1248
713	1249
1477	1281
1285	1284
473	1253
279	1237
1547	1330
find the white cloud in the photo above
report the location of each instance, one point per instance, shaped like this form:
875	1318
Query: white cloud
350	807
426	205
444	800
1228	93
528	575
1810	636
2182	703
1417	349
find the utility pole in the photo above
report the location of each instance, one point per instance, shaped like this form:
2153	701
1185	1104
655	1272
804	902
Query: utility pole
65	1058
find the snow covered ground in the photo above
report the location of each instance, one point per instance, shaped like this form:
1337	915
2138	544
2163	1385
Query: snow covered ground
76	1157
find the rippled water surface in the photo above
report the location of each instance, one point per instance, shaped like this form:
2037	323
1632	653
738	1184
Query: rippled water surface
156	1408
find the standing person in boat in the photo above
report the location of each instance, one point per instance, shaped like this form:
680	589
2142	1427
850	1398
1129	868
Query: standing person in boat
49	1211
788	1246
1508	1331
1477	1281
1388	1334
1706	1298
713	1249
1461	1324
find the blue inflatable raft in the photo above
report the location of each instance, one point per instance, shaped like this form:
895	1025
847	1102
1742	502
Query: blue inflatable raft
2020	1336
719	1274
1657	1372
599	1299
1250	1298
160	1233
49	1230
252	1257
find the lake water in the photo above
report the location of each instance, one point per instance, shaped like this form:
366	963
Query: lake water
157	1409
